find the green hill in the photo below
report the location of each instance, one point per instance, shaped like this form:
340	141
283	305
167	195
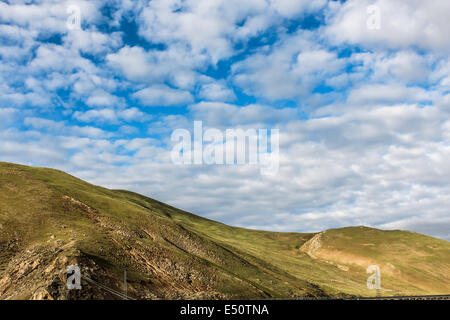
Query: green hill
50	220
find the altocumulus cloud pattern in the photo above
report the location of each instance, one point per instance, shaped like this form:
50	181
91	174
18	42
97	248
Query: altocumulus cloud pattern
362	108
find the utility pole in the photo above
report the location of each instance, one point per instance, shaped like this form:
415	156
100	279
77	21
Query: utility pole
125	283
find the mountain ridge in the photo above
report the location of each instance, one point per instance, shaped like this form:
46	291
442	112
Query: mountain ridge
50	220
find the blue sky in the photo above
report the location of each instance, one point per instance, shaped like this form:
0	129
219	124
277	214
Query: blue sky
363	112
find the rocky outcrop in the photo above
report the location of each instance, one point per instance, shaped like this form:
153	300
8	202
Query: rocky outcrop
312	245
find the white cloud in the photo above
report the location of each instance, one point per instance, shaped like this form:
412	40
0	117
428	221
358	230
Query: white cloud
218	114
133	114
101	98
133	62
216	91
291	69
107	115
406	66
91	41
8	115
173	65
59	127
111	115
47	16
162	95
404	24
290	9
26	98
388	93
50	57
210	28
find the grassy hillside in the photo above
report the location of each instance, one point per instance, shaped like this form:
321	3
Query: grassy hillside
50	220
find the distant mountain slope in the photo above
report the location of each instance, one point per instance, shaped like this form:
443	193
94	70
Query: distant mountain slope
50	220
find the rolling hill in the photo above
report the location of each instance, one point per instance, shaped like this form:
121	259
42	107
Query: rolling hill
50	220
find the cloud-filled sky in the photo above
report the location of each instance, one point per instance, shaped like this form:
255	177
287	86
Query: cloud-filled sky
363	112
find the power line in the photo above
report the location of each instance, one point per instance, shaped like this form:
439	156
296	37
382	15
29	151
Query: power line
110	290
